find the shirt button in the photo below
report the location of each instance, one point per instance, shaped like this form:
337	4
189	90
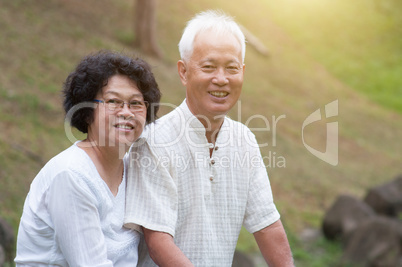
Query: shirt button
216	148
211	178
212	161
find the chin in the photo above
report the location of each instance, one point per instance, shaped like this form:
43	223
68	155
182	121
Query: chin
219	110
127	141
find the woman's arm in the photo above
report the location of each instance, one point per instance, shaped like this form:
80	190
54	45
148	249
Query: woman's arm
76	221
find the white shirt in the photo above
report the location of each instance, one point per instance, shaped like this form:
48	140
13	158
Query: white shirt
71	218
201	201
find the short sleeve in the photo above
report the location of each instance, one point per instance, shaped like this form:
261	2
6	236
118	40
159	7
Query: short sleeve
261	210
76	221
151	196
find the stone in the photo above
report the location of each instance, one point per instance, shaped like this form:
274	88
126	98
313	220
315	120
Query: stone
241	259
7	240
375	243
2	256
386	199
344	216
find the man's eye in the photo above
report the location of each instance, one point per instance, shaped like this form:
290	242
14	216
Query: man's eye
233	69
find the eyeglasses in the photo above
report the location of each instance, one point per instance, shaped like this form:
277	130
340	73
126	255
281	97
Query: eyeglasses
116	104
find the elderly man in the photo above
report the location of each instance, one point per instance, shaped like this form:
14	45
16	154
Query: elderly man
205	176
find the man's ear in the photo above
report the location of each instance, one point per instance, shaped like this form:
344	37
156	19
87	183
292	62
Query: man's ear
182	69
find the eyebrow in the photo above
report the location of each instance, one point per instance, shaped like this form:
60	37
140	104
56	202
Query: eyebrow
118	94
214	61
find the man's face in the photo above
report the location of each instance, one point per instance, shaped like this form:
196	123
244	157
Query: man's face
213	76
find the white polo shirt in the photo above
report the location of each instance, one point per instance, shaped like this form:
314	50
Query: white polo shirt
175	186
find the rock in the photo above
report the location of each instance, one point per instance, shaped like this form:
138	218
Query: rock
386	199
242	260
2	256
344	216
7	240
376	243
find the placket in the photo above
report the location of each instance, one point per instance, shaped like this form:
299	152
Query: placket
212	167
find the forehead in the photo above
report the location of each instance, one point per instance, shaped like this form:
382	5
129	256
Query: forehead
121	85
215	44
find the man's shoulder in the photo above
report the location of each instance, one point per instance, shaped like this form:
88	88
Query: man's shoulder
167	126
168	120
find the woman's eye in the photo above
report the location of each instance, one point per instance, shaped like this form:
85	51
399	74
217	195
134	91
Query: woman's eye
136	103
114	101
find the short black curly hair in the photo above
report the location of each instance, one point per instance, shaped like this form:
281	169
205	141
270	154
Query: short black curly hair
92	74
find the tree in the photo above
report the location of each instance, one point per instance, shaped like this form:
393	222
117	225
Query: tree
145	27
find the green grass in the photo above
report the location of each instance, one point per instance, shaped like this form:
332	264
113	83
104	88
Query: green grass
317	252
359	42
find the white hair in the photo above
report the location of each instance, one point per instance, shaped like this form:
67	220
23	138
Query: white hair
214	20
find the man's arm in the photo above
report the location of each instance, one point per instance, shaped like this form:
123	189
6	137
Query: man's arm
274	245
163	250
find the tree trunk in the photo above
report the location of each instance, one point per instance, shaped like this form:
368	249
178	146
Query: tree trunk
145	27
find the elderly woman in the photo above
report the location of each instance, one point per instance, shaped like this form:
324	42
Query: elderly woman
73	214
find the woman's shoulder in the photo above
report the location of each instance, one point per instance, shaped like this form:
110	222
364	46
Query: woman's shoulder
72	163
73	158
75	167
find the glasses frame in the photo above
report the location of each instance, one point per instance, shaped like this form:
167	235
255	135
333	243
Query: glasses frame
119	107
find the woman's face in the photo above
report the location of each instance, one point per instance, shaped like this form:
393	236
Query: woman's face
115	125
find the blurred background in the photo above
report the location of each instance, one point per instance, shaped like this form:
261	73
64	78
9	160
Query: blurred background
301	55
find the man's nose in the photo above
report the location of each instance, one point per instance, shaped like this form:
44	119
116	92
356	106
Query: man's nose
220	77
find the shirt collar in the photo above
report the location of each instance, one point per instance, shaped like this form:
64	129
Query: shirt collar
196	126
191	120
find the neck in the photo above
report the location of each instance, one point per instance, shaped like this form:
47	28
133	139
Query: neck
212	128
108	161
106	153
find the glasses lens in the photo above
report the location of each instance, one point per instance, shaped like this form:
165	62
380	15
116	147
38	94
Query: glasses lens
138	105
114	104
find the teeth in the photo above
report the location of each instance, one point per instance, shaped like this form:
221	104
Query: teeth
124	126
219	94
